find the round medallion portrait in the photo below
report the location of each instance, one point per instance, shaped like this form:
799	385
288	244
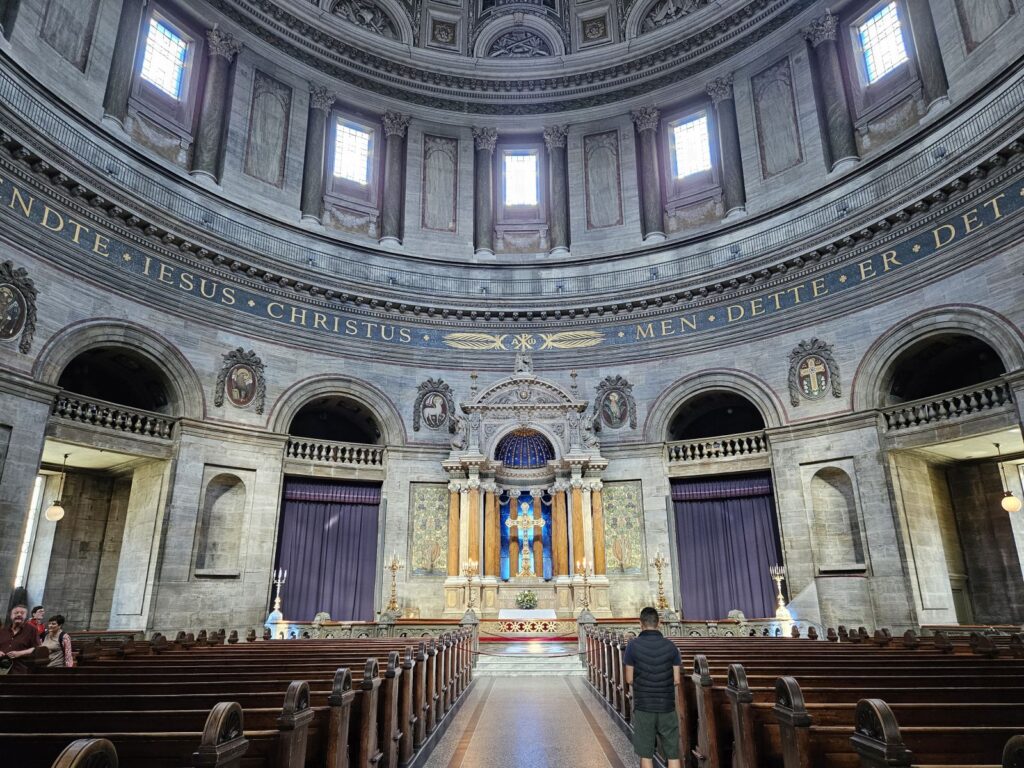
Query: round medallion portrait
813	375
434	410
240	385
13	311
614	410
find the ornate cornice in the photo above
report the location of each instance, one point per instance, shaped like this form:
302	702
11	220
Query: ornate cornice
720	89
395	124
220	43
821	29
485	138
646	118
555	136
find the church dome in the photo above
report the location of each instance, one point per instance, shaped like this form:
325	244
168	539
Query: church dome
524	449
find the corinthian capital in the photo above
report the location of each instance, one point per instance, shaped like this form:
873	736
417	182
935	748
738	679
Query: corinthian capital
720	89
485	138
222	44
646	118
555	135
821	29
395	124
320	97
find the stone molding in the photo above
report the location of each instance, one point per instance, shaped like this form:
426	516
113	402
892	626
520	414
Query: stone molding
720	89
220	43
822	29
555	136
646	118
395	124
485	139
321	98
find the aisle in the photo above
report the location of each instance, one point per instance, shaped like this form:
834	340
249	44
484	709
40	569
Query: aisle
530	722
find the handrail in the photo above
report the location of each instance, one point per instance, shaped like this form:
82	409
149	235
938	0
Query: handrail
717	448
331	452
99	413
947	406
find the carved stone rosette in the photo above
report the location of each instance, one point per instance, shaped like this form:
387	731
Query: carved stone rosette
233	380
434	406
646	118
222	44
485	138
614	404
813	371
821	29
321	97
17	306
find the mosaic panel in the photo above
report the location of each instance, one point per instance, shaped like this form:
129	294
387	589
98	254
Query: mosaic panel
428	530
624	528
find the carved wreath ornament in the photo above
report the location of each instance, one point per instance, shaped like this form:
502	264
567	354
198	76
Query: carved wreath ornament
17	306
241	380
813	372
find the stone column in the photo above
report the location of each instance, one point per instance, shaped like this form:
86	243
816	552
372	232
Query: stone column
491	565
934	85
513	534
821	34
559	531
8	15
588	524
579	550
651	206
558	189
320	102
119	80
473	521
597	512
209	149
538	534
453	527
464	523
733	191
395	126
484	139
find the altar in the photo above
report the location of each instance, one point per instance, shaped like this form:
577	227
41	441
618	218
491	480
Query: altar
531	614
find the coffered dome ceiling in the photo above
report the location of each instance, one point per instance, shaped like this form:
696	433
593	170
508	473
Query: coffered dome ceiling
511	56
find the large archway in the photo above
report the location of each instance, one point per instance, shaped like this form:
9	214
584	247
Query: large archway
939	363
337	418
714	413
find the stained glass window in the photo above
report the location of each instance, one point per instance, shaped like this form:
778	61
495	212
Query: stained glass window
352	153
521	177
881	40
163	63
691	147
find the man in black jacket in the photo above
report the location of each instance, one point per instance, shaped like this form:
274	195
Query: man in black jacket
652	669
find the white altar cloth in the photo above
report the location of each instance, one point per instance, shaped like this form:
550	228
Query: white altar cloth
535	613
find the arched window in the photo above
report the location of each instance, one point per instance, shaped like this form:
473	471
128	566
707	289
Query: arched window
714	413
336	418
941	363
118	375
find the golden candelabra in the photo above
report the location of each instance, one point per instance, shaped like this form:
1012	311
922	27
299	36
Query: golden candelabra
659	562
470	568
280	576
779	575
394	566
583	569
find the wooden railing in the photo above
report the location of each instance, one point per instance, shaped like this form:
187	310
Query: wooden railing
947	407
717	448
327	452
120	418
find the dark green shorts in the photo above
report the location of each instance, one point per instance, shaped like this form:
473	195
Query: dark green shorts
660	726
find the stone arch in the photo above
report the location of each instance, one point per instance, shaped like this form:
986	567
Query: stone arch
837	535
186	391
295	397
870	383
507	23
634	25
492	442
729	380
391	9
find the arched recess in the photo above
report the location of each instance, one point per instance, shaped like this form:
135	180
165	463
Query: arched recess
836	525
383	410
221	524
671	11
553	441
873	379
506	24
738	382
186	392
364	10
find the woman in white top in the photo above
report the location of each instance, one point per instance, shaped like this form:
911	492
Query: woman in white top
58	643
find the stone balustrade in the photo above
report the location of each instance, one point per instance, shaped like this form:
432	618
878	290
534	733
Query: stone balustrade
947	407
717	448
327	452
120	418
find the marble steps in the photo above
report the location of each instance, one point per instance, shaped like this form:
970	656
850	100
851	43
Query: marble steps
525	665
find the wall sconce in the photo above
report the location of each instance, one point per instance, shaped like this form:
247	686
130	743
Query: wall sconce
55	512
1010	503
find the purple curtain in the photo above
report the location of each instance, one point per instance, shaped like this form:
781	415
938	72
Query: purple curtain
328	544
727	539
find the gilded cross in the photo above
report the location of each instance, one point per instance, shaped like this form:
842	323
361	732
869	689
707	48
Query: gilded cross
811	368
525	520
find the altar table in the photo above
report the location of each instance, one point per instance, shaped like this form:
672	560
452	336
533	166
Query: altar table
527	615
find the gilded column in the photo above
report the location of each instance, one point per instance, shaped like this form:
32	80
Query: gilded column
122	62
559	531
492	533
484	139
464	496
320	102
395	126
588	523
578	547
473	521
513	535
934	85
646	122
733	191
821	34
538	534
597	511
208	155
558	187
453	527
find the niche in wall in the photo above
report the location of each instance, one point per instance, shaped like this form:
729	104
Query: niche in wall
222	517
837	536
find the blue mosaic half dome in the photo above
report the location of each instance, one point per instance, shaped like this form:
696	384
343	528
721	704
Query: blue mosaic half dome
523	448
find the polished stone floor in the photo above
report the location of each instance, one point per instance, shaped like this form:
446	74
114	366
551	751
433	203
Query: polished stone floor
538	722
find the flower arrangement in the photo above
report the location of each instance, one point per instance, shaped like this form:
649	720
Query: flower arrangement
526	600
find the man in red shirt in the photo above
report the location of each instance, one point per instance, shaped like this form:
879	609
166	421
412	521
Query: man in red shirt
18	640
37	620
